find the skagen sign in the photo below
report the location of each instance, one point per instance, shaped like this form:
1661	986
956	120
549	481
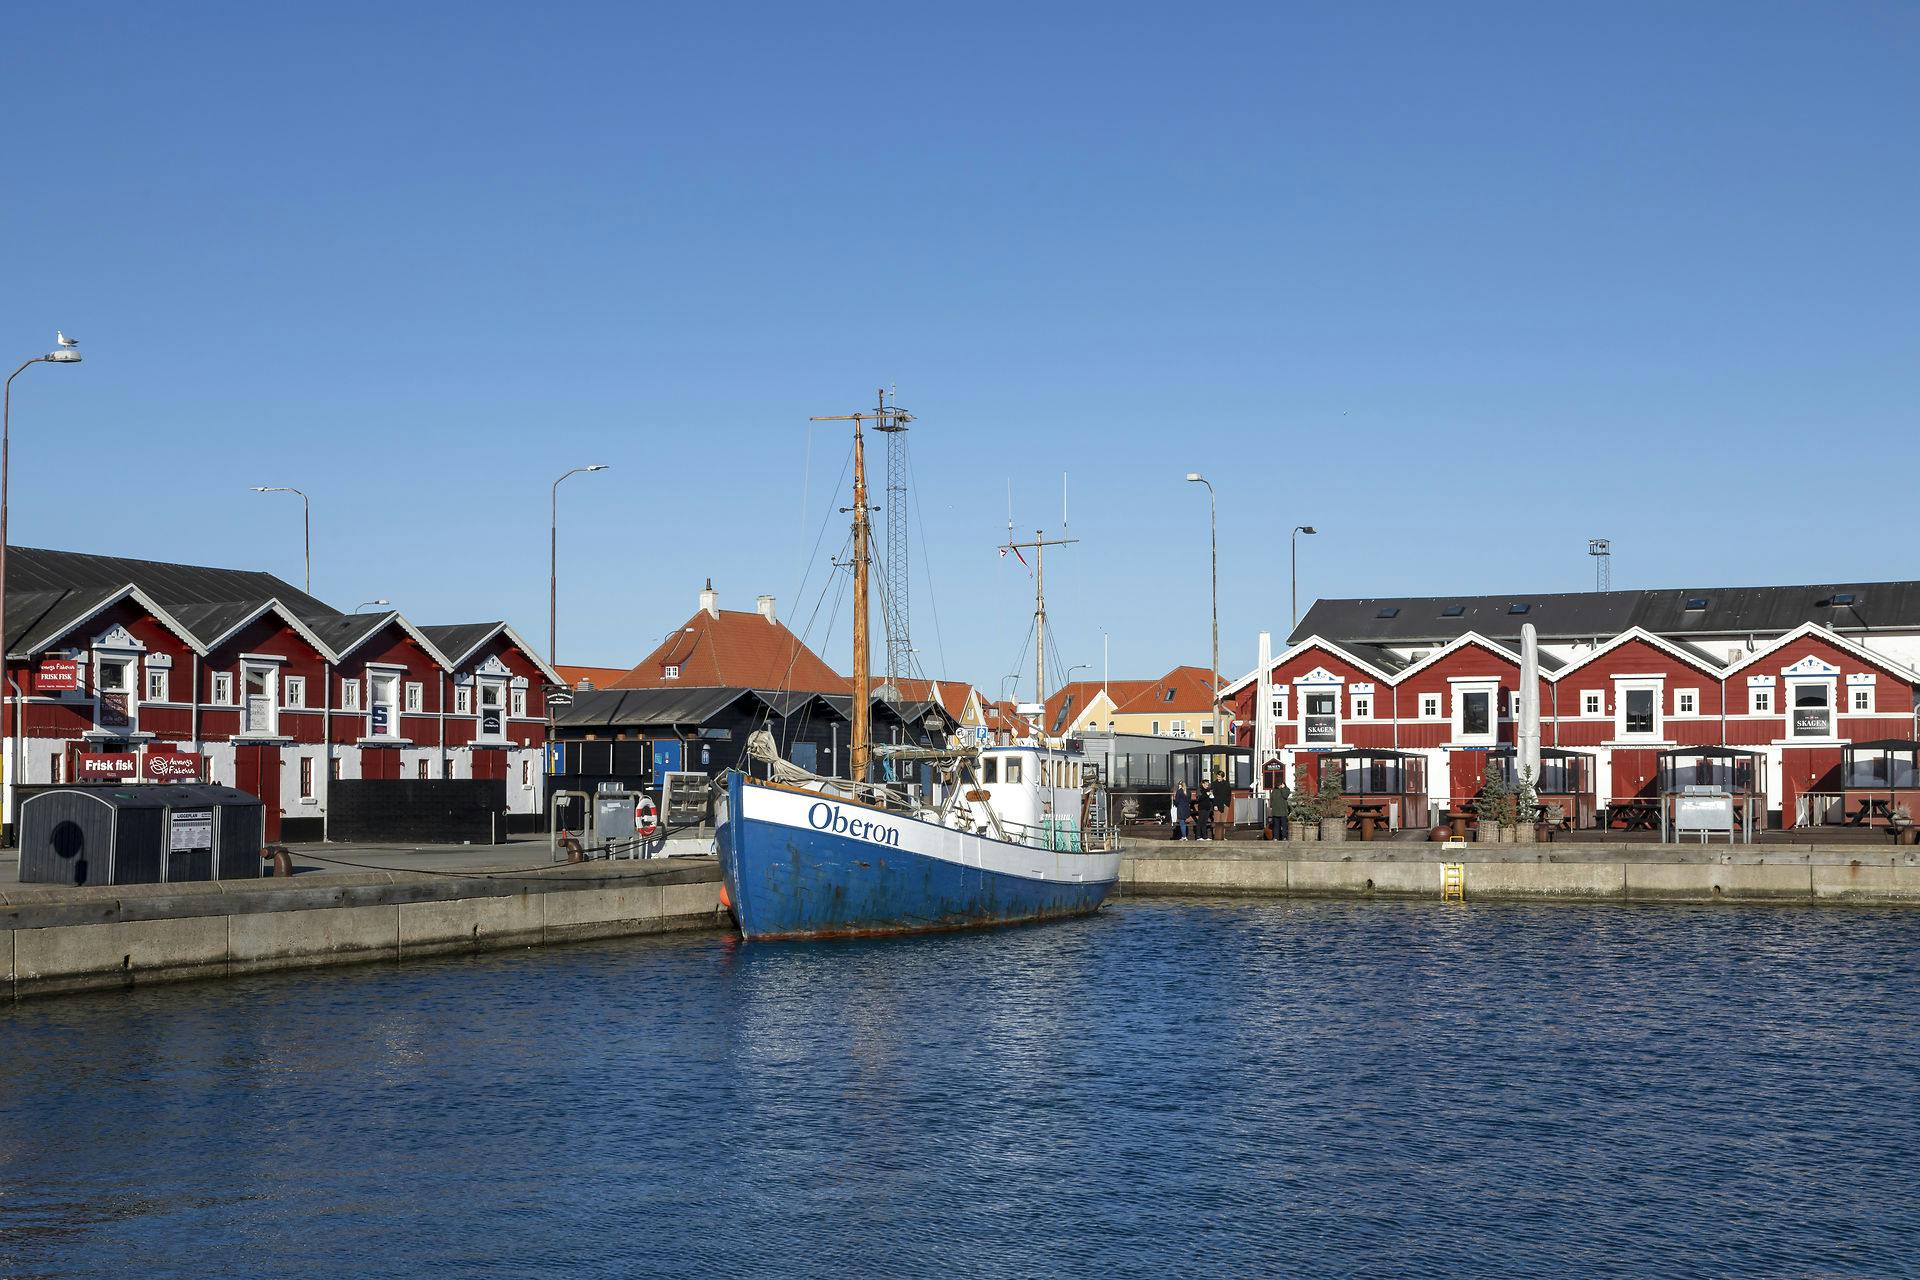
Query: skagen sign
822	816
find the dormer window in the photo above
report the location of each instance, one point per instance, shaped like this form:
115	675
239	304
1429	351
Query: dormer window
1843	598
671	671
1696	604
1518	608
1168	695
1389	612
1453	611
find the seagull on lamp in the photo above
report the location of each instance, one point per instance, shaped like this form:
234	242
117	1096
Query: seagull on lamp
64	340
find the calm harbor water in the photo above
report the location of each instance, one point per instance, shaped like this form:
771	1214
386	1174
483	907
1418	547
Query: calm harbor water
1169	1089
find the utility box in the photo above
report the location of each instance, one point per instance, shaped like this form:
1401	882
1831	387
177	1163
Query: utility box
613	817
145	834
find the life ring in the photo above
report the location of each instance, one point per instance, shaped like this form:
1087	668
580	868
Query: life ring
646	819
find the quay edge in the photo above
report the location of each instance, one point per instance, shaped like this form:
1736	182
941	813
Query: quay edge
56	939
1304	870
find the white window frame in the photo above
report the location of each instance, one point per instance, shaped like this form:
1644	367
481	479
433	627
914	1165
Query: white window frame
413	698
1279	704
1593	703
349	693
487	685
1656	685
1179	728
1686	703
398	677
1153	727
1304	703
155	689
1760	701
517	703
1790	699
1473	685
1861	695
272	672
463	700
293	693
220	688
1430	704
670	672
1362	706
1513	706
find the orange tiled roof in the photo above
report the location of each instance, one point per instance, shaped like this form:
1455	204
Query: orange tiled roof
735	650
1191	689
595	677
1070	701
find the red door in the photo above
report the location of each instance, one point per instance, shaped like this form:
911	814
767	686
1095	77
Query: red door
490	763
380	762
256	770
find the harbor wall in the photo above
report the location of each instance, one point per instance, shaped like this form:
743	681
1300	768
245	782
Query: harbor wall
57	939
1622	881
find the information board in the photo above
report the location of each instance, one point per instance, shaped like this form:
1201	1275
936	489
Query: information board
1703	813
190	829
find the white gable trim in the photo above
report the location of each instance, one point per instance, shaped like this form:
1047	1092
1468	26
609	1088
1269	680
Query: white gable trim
1835	639
128	592
1460	642
1698	661
1311	642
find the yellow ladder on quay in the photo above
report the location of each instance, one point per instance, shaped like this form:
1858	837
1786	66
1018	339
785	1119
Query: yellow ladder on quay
1453	881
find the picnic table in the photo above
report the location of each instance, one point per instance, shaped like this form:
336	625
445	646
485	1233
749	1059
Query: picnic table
1633	815
1366	815
1871	808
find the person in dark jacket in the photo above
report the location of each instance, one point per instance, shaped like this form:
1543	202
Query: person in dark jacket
1222	805
1202	811
1182	811
1279	801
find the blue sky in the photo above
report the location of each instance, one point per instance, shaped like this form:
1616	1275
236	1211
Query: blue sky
1461	285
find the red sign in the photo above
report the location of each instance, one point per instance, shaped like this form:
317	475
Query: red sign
56	675
171	766
104	765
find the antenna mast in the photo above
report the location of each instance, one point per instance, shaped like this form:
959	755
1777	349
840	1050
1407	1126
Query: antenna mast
893	420
1602	552
1039	547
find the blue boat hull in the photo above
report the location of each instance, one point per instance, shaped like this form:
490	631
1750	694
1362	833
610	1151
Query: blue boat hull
785	881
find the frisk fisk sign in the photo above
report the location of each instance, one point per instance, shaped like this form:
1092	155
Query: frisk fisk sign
101	766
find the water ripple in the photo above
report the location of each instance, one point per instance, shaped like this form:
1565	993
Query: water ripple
1231	1088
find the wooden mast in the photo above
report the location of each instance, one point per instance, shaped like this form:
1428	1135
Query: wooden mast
861	751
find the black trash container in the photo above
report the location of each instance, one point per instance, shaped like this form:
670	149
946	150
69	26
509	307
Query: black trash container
139	834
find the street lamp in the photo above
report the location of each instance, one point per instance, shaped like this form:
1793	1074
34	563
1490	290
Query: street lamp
64	352
1213	546
364	603
553	559
306	524
1295	542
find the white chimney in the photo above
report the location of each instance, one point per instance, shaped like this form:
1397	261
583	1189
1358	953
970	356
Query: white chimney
710	600
765	605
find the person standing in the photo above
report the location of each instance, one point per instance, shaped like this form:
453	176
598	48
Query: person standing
1202	811
1182	810
1222	805
1279	800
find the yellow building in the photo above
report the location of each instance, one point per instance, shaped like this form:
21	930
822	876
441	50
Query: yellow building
1177	705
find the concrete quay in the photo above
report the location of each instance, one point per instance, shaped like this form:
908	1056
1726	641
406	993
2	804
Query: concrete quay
56	939
1586	872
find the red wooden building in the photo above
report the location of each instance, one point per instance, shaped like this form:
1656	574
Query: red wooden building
1768	687
138	669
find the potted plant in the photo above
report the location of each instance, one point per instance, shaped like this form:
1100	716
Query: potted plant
1490	806
1525	805
1332	804
1303	815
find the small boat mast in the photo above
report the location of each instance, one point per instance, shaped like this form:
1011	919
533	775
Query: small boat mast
885	417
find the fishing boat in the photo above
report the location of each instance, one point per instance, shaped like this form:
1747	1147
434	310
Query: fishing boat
961	837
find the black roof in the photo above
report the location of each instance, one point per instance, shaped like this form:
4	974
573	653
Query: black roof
692	705
1577	615
49	593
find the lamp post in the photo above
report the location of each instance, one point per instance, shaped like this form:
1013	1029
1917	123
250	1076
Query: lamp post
553	560
64	352
364	603
1213	547
1295	541
306	525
